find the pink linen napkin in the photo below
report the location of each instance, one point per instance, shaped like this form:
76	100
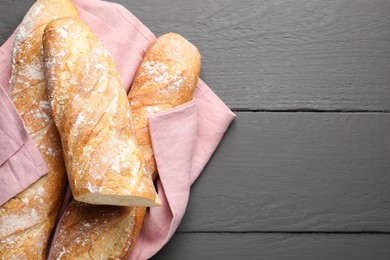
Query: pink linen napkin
21	164
183	138
18	153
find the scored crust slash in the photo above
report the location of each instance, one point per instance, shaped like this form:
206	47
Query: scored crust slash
92	114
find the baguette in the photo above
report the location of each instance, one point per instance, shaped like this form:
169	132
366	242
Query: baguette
97	232
116	229
91	112
27	220
166	78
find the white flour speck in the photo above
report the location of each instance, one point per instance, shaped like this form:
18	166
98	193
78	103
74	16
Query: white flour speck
92	188
80	119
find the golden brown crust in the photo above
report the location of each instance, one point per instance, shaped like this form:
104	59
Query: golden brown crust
99	225
27	65
92	113
26	221
97	232
166	78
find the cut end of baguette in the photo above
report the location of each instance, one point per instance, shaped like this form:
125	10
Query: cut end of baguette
118	200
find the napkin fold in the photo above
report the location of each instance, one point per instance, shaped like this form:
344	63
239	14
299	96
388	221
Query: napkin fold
21	164
183	138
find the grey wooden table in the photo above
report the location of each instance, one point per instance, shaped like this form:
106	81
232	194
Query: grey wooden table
304	171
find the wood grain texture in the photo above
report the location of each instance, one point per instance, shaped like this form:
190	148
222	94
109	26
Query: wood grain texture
276	247
11	15
296	172
283	54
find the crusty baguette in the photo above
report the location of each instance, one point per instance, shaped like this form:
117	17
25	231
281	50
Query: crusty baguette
117	228
97	232
92	114
166	78
26	221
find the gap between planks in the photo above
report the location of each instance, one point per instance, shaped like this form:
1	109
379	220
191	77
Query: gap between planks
304	110
287	232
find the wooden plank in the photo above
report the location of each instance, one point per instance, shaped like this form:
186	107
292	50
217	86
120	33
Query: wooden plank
296	172
11	14
276	246
280	54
